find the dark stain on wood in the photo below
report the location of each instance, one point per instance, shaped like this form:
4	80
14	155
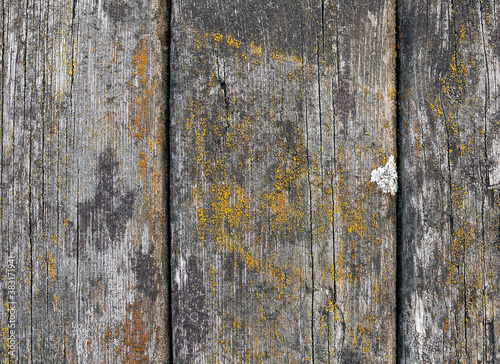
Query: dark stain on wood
118	11
103	218
194	319
146	274
352	357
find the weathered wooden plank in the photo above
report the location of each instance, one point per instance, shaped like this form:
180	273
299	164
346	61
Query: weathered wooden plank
362	104
50	332
283	250
16	126
449	197
83	113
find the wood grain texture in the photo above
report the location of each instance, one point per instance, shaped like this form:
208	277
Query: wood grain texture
82	180
283	250
449	165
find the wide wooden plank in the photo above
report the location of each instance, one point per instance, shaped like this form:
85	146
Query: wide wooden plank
82	181
283	250
449	203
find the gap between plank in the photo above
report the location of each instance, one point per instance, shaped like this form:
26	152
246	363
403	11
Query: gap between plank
399	238
167	160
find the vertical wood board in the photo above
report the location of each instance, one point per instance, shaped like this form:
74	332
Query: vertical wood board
449	123
282	248
82	180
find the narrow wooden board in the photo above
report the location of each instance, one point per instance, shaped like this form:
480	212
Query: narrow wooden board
15	203
449	203
82	180
282	248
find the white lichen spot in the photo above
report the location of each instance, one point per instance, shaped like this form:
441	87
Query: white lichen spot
386	177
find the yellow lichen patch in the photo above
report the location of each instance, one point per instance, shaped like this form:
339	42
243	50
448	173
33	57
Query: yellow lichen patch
418	142
107	335
135	336
233	42
257	50
278	55
228	213
455	81
452	273
140	113
296	59
340	273
322	214
216	36
459	194
462	33
213	279
141	59
285	215
464	237
143	164
157	187
376	290
436	108
350	209
139	124
6	341
52	271
251	263
115	52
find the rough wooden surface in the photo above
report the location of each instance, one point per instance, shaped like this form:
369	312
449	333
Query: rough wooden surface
282	250
449	173
82	180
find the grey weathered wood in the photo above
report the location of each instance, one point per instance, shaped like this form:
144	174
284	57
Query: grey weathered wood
82	179
449	174
282	250
15	174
